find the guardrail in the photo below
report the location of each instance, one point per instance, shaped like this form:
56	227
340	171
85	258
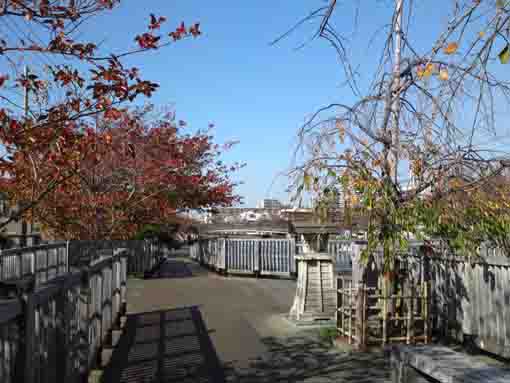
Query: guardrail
54	330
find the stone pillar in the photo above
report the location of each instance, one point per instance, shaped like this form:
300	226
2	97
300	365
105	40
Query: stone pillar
315	299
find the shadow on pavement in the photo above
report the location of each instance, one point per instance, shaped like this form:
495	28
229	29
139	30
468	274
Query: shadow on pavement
302	359
172	268
164	346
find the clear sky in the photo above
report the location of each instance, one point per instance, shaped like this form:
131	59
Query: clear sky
253	92
231	76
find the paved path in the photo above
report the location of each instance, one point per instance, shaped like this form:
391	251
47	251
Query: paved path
189	325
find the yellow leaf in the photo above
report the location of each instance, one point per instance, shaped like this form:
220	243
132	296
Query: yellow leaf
425	72
443	74
481	34
451	48
307	180
504	55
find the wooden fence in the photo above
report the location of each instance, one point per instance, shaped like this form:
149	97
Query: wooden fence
472	300
53	332
469	298
247	256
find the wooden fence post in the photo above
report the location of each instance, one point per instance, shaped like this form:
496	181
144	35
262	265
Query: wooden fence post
360	317
28	330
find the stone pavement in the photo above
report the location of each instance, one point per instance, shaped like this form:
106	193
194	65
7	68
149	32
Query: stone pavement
187	324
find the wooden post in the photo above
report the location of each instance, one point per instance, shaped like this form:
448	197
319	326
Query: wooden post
410	316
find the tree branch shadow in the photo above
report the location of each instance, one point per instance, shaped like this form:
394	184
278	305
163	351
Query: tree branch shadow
164	346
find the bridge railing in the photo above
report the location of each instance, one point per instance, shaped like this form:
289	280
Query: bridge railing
247	256
341	251
54	330
45	262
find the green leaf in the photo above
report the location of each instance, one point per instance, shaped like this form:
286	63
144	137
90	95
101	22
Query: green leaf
307	180
504	55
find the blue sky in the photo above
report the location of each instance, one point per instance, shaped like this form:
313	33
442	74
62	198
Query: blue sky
231	76
253	92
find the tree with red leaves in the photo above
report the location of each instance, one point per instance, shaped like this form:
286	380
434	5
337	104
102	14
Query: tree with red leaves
78	159
123	174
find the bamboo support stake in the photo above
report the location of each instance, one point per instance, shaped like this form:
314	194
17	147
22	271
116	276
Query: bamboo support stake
410	317
365	317
338	318
426	312
359	316
350	315
385	314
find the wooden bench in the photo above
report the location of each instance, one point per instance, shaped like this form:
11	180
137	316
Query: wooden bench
413	364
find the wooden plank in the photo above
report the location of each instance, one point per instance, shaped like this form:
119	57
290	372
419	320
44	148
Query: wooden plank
448	366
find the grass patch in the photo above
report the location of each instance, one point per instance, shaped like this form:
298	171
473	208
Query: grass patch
328	334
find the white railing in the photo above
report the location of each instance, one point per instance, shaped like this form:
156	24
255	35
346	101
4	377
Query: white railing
341	251
247	256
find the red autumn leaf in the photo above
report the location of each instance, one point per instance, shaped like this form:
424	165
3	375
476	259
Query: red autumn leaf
3	79
112	114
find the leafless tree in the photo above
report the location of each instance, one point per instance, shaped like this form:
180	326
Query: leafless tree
428	113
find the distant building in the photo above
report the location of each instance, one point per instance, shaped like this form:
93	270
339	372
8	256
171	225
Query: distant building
297	215
269	204
243	214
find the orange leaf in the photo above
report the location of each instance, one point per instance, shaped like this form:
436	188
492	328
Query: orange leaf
443	74
451	48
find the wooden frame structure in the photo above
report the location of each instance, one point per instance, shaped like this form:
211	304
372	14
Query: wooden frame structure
368	315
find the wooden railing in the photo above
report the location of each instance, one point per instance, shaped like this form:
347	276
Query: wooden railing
45	262
54	330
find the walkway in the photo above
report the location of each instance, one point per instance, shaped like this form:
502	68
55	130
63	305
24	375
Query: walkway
189	325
